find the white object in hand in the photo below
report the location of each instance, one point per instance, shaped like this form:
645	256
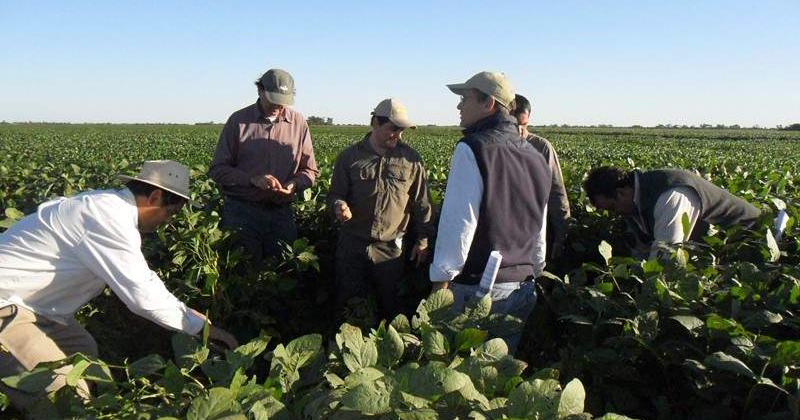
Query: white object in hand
780	224
489	274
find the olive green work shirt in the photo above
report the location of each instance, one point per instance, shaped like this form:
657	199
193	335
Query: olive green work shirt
385	193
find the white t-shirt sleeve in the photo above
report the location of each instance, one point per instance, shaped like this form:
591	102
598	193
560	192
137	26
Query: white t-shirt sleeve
540	252
459	217
668	215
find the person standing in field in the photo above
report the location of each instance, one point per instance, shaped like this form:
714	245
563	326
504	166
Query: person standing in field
263	158
54	261
379	189
655	202
558	204
495	200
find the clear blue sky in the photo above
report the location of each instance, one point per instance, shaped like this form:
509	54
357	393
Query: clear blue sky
581	62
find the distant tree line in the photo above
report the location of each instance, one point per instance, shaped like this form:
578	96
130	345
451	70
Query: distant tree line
314	120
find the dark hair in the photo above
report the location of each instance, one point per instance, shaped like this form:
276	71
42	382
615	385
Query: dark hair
381	120
480	96
521	105
605	180
143	189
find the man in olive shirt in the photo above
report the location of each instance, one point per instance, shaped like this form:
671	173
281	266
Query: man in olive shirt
264	156
557	204
377	189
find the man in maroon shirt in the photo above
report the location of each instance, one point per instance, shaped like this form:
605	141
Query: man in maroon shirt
264	156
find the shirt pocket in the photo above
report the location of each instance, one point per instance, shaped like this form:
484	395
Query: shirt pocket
398	175
364	178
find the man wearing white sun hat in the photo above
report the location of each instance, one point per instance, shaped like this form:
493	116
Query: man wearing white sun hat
52	262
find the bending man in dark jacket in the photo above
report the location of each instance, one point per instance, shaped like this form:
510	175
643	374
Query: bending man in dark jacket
496	200
654	203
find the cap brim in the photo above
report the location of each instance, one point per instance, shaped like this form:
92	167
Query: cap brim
133	178
458	88
403	123
279	98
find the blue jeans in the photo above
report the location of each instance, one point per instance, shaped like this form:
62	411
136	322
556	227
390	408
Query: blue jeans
515	299
260	229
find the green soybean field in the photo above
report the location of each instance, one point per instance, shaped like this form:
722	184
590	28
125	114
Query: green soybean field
711	333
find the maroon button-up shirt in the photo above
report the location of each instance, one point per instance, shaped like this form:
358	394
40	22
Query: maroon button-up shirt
251	145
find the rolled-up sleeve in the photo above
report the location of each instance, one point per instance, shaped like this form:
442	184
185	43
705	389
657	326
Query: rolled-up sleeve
113	254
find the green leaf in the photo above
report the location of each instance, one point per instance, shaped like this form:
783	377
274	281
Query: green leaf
614	416
774	251
435	344
779	204
189	353
76	373
401	324
478	309
605	251
572	398
145	366
691	323
369	399
787	353
438	304
218	404
652	266
433	380
364	376
269	408
469	338
254	347
32	381
390	348
418	414
534	399
687	226
304	349
173	380
722	361
14	214
492	350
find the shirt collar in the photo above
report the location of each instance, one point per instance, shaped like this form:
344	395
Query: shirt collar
287	114
491	121
390	152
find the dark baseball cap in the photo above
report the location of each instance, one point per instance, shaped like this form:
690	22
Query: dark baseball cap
278	86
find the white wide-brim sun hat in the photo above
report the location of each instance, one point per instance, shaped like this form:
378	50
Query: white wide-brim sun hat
165	174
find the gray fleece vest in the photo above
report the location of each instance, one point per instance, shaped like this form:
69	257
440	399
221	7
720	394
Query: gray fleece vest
718	206
516	185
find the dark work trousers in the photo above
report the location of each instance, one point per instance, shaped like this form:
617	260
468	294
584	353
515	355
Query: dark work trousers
260	227
363	265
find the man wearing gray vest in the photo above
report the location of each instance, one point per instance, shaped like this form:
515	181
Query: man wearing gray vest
496	200
655	202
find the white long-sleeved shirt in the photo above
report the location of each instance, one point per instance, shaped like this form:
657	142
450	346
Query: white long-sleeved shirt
668	213
54	261
459	219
